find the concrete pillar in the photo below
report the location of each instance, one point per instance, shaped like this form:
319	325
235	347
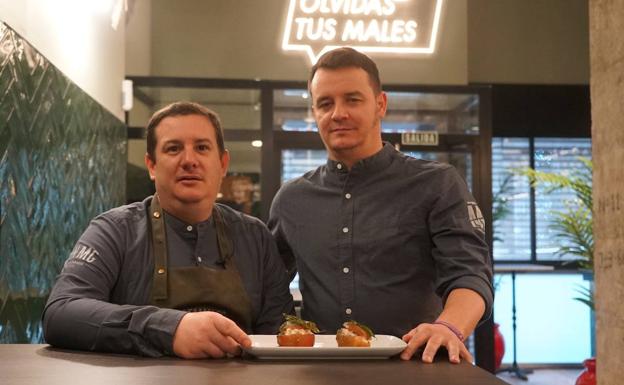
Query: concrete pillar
606	24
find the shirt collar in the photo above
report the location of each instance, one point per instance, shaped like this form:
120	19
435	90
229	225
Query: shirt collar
373	163
181	227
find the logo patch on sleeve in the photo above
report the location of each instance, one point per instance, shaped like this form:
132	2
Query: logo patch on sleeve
83	253
475	216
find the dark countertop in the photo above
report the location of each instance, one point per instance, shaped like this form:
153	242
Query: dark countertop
41	364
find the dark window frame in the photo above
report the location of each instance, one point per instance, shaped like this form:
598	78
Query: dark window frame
558	265
540	111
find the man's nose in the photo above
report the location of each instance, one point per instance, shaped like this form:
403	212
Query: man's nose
340	111
189	158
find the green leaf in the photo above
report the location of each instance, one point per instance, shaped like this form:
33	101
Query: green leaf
309	325
586	296
573	226
500	203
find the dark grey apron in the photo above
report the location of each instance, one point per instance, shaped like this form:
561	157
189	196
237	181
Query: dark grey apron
198	288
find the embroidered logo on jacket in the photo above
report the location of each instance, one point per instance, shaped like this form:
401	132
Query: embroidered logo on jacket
83	253
475	216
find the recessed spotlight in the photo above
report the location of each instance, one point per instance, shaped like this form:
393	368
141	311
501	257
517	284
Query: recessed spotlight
256	143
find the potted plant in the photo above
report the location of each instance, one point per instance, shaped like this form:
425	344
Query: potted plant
573	227
574	231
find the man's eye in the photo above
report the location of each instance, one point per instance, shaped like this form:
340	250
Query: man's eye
323	105
203	147
172	148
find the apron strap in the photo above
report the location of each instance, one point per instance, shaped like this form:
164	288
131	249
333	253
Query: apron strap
159	248
224	241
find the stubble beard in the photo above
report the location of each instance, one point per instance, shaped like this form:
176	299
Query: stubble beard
352	147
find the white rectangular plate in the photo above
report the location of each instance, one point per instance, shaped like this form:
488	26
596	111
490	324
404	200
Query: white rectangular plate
382	346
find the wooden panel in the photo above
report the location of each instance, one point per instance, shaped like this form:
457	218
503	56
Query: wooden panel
607	90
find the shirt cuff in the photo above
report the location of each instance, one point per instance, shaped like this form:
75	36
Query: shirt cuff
162	327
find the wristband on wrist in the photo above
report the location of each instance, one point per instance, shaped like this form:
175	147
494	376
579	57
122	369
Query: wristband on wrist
452	328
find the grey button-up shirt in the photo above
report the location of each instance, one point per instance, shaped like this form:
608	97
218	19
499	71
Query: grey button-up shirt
383	243
100	300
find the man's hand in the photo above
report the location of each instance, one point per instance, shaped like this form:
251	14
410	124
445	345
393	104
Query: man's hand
463	309
208	335
434	336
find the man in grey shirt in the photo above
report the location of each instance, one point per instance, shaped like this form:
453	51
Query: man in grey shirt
176	274
391	241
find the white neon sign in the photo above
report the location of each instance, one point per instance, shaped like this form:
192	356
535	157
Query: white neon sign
398	26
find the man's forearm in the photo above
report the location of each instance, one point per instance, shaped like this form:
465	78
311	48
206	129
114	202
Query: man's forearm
463	310
89	324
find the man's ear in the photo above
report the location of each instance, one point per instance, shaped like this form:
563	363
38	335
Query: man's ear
225	162
149	163
382	104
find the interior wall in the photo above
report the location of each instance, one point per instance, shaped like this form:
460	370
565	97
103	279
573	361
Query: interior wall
139	38
61	157
77	37
242	39
528	42
481	41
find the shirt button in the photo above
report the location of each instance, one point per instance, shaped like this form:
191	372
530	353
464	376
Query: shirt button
348	310
339	166
189	228
345	230
345	270
348	196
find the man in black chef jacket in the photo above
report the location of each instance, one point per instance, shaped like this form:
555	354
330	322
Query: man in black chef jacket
175	274
376	236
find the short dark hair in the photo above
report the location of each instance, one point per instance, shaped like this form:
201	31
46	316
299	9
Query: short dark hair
182	109
348	57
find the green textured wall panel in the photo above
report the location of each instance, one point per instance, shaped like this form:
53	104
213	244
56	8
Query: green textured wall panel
62	161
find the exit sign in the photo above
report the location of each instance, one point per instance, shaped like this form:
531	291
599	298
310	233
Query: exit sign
421	138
